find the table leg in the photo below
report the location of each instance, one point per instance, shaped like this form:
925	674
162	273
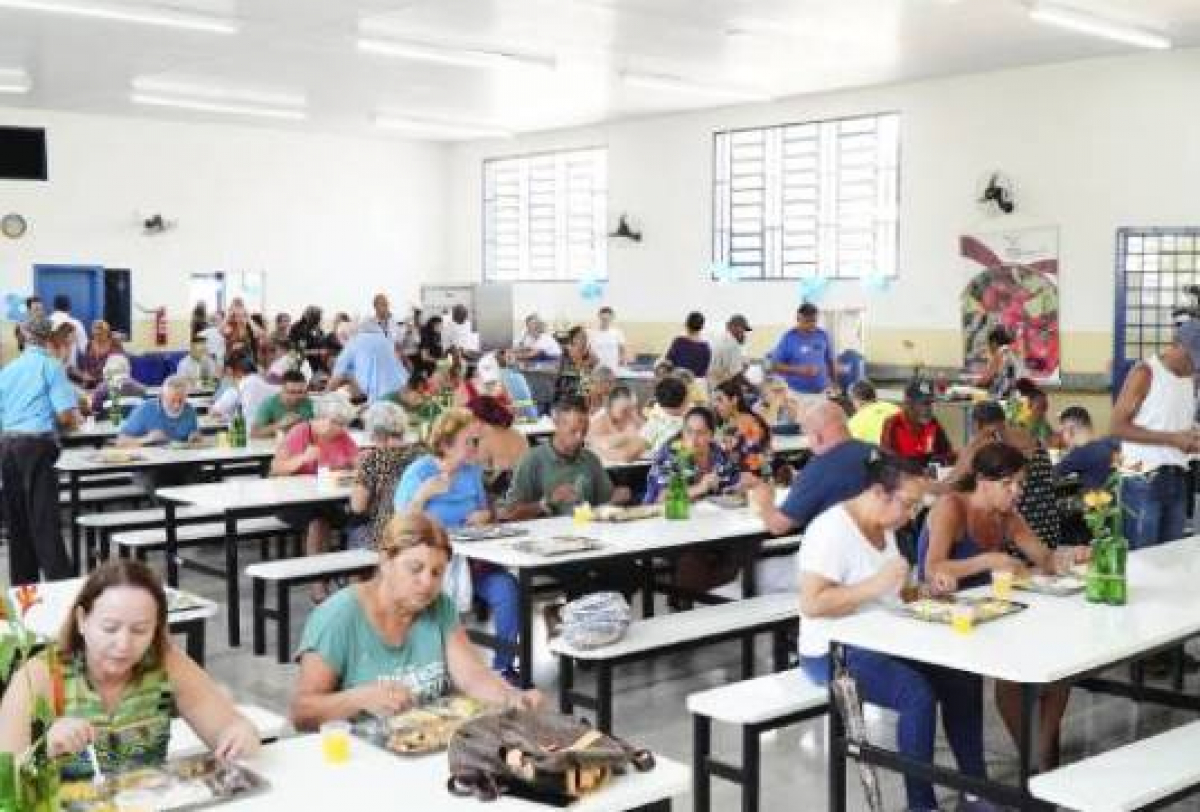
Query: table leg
73	479
232	608
836	751
648	586
701	747
525	610
171	548
1029	757
750	568
194	641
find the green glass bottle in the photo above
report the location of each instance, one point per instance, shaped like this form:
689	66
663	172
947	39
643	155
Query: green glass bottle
677	503
237	429
1116	587
1096	588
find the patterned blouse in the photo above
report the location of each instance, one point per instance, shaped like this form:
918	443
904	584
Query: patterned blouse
747	440
663	466
379	470
134	735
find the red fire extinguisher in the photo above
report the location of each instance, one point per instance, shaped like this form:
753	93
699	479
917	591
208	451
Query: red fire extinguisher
160	327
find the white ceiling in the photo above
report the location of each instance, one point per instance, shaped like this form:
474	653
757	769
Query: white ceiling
308	48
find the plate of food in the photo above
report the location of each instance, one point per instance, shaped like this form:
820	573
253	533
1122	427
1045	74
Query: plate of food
425	729
198	782
557	545
117	456
630	513
487	532
728	500
939	610
1057	585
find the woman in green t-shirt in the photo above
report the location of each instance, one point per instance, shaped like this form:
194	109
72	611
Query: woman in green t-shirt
380	647
117	681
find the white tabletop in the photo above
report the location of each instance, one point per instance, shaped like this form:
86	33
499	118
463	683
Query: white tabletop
46	617
82	460
706	522
1055	638
376	780
106	430
238	494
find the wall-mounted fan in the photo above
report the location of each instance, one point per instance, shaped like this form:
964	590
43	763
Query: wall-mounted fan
996	194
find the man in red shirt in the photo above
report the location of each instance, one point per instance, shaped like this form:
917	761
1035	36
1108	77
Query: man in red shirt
914	432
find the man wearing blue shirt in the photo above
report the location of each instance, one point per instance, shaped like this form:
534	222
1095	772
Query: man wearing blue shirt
804	355
369	363
169	418
35	399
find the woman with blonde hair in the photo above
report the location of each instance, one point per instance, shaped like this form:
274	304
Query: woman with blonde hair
448	484
116	682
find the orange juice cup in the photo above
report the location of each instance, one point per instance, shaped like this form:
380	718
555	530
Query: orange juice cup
1002	584
962	618
335	742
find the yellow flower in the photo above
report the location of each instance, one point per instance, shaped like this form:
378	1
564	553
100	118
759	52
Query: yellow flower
1097	499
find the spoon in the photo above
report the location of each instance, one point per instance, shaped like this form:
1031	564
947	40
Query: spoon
99	779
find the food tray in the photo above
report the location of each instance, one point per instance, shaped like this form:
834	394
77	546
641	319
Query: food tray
935	610
1059	586
116	456
557	545
487	533
728	500
178	601
615	513
422	730
198	782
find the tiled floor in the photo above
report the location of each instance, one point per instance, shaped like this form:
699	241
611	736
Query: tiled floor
650	712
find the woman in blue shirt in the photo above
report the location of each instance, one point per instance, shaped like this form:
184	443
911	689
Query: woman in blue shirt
448	485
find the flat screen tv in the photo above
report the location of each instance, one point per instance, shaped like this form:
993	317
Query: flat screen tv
22	153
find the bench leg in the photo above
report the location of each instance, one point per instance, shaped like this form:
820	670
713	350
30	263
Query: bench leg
648	587
194	641
779	651
701	746
258	599
604	697
525	633
836	753
566	683
232	599
105	544
264	550
750	769
748	656
75	539
283	613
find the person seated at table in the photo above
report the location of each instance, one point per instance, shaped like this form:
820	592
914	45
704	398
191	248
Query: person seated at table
322	442
394	642
575	365
197	366
690	350
516	385
1037	406
663	420
615	431
500	445
914	432
697	391
1003	367
743	434
977	530
244	388
379	469
447	483
780	406
709	472
601	383
115	682
102	346
536	344
168	418
1088	457
116	374
849	563
284	409
286	358
870	413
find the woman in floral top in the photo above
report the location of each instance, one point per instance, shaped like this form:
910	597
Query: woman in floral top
575	367
379	469
744	435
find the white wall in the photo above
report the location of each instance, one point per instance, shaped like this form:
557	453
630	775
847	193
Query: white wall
1091	146
329	220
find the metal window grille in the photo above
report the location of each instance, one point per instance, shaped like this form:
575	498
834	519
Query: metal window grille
813	199
545	216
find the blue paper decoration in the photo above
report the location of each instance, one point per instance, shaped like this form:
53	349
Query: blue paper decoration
812	288
876	282
723	272
14	307
591	289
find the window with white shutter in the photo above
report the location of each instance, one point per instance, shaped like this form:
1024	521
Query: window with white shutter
545	217
813	199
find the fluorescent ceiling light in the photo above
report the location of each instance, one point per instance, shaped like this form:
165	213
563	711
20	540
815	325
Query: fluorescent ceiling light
211	106
674	84
14	80
218	93
444	55
1088	23
439	128
143	15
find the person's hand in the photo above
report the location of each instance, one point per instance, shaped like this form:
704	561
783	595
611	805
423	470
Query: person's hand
479	518
68	736
1005	562
709	483
1185	441
565	493
531	699
288	420
892	577
942	583
383	698
621	495
238	740
156	436
312	454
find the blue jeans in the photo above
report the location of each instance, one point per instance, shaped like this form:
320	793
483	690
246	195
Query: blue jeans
498	590
913	690
1156	506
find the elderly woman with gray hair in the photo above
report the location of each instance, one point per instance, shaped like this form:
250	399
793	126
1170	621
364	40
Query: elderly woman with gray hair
116	371
320	443
379	469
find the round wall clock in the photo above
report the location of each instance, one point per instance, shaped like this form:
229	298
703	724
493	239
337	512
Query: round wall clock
13	226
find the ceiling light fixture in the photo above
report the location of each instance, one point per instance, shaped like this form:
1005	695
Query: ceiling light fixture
674	84
459	57
213	106
188	89
14	80
441	129
127	14
1087	23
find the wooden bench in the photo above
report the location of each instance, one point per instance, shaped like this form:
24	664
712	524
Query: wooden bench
286	573
756	706
184	741
1148	774
99	527
736	620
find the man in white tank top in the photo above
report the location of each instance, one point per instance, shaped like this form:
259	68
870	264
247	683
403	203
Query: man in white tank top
1154	417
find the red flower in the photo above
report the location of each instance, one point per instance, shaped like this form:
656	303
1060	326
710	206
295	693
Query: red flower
27	598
